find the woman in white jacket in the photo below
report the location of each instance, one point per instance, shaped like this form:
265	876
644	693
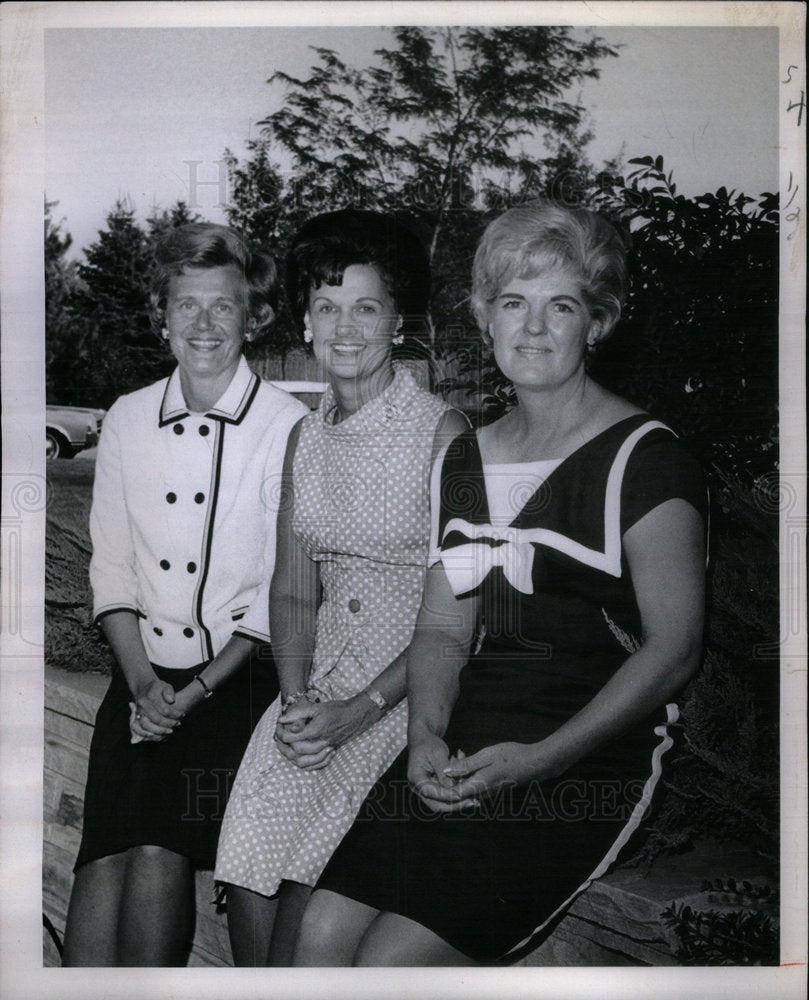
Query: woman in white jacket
183	532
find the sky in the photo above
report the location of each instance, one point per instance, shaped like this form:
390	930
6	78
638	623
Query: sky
128	110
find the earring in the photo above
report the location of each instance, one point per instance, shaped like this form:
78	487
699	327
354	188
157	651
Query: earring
307	335
164	333
399	338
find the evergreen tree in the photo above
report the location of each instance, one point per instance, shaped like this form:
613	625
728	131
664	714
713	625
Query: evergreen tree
60	314
124	353
160	221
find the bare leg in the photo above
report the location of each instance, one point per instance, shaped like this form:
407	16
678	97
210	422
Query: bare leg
292	900
157	908
393	940
91	932
331	930
250	922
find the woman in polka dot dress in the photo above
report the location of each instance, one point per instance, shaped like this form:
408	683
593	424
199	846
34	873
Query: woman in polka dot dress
353	532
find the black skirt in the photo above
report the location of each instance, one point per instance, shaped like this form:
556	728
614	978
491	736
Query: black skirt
171	794
488	881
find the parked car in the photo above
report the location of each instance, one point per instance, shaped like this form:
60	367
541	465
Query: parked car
69	429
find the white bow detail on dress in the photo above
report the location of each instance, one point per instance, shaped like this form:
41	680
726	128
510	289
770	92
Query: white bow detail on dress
467	565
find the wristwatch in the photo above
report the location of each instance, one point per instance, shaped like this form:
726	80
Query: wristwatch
377	699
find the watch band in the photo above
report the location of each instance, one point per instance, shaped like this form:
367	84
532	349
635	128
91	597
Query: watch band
378	699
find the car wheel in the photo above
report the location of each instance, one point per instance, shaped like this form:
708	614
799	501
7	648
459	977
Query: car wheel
56	446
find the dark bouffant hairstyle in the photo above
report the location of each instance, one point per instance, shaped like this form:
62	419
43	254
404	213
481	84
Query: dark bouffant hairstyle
327	244
205	245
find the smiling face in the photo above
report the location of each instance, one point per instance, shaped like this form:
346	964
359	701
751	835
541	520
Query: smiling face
353	325
540	328
205	318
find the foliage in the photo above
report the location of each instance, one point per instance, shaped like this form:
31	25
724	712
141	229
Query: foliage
745	935
431	132
260	208
60	286
698	345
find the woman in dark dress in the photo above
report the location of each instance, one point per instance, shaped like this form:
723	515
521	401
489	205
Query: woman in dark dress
568	560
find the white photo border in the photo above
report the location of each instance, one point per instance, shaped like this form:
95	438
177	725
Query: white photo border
22	27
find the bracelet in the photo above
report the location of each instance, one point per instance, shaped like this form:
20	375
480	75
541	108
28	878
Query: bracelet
287	701
205	688
377	698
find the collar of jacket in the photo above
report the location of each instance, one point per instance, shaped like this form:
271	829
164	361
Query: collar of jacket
230	408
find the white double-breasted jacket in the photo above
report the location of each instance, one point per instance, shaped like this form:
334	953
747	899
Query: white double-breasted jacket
184	511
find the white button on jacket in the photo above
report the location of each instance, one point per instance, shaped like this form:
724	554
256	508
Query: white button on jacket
184	511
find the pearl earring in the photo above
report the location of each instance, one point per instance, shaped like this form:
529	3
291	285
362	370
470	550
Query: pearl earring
399	338
307	335
164	333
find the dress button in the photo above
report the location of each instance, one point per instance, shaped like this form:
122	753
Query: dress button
191	567
165	564
204	430
171	498
199	498
354	605
157	631
178	428
188	632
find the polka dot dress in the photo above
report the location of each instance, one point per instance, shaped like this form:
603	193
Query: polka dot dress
362	512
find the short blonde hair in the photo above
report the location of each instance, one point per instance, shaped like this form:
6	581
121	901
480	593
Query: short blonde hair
530	239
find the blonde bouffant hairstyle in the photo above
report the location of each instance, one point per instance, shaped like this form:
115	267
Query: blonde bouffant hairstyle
530	239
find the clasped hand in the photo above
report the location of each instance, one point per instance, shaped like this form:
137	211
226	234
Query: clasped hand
157	710
308	732
451	784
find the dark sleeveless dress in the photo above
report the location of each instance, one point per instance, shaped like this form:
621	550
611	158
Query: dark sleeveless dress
558	617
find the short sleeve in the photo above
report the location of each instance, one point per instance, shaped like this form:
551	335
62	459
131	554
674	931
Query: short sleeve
661	468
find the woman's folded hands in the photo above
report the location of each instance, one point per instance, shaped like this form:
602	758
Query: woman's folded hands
456	783
309	732
156	711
